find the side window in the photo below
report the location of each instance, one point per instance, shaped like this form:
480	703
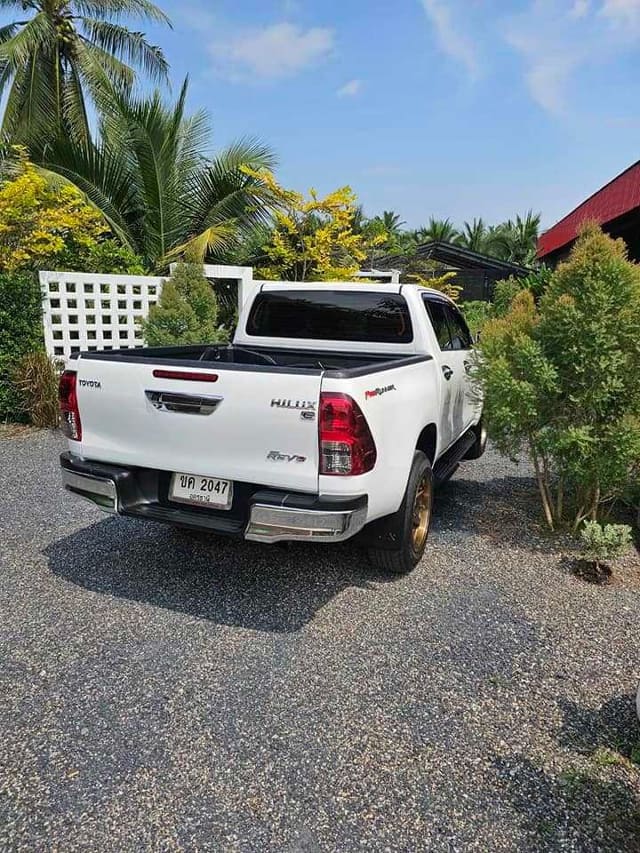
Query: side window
460	335
437	312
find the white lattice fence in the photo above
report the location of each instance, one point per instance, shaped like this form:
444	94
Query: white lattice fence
89	311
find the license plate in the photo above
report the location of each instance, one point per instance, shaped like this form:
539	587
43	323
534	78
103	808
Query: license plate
201	491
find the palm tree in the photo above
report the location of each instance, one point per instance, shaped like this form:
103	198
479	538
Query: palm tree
474	236
438	229
517	241
63	57
150	176
391	222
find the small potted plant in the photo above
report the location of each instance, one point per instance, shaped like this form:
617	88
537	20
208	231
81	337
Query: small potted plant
601	544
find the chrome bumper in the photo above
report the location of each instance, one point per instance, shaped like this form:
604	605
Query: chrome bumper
100	491
284	524
272	516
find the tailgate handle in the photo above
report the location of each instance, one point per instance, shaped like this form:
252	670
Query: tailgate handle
187	404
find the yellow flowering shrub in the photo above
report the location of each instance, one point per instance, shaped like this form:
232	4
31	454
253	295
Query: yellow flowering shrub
43	226
313	238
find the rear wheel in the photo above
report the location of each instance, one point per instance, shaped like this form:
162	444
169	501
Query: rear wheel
409	526
480	445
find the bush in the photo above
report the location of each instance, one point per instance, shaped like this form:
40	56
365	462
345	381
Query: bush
606	542
110	258
505	292
46	225
36	378
476	313
561	379
20	333
186	312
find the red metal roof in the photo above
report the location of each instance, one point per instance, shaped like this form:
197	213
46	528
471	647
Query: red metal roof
616	198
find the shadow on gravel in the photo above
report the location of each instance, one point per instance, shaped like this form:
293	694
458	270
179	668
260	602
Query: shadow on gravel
232	582
613	726
575	810
504	509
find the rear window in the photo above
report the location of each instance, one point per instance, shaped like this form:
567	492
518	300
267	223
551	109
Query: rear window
334	315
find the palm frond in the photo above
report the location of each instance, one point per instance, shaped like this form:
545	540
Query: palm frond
74	106
105	181
113	9
130	46
27	42
212	241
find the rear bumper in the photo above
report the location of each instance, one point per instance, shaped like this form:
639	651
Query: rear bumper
261	515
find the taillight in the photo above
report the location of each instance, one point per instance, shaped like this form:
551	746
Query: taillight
69	411
346	443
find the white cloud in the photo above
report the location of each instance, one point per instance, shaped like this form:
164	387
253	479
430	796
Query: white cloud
548	81
276	51
580	8
557	40
350	89
449	35
623	13
550	55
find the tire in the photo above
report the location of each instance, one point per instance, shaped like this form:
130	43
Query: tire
478	448
402	524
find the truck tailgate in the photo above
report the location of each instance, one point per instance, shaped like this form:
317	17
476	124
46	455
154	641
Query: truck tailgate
248	425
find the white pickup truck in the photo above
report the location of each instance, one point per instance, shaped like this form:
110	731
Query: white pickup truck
333	414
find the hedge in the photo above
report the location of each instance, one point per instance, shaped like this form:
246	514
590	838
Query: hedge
20	333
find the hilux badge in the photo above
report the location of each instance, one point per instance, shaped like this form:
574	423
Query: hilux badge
282	403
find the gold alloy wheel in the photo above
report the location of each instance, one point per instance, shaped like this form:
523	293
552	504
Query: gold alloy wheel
421	512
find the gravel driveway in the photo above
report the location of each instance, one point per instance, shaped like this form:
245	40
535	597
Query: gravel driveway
161	691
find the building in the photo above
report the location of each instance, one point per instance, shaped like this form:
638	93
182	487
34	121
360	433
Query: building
615	207
475	273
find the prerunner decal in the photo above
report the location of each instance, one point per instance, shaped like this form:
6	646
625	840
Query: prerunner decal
376	392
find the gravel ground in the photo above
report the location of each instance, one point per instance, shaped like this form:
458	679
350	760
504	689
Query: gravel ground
160	691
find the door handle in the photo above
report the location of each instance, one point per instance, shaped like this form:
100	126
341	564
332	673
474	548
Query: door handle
467	366
447	372
187	404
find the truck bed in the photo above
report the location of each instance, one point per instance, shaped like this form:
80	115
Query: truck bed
285	360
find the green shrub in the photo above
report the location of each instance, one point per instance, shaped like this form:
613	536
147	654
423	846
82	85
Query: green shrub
186	312
20	333
538	280
109	257
603	543
36	378
561	379
505	292
476	313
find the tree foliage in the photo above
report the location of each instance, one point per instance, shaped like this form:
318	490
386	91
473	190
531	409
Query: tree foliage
186	313
151	177
561	379
50	226
313	239
477	313
64	57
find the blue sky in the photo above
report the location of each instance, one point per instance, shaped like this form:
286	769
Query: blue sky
455	108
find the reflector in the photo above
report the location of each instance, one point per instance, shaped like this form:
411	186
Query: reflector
190	375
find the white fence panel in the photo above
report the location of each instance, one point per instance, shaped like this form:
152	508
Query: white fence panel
243	275
89	311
